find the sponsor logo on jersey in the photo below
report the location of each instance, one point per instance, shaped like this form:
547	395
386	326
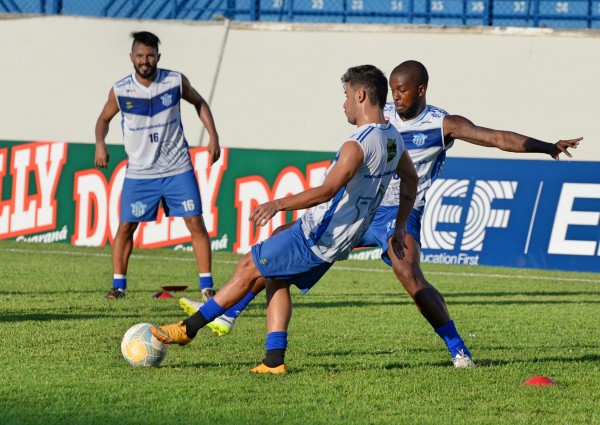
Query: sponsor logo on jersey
167	99
138	209
392	149
128	105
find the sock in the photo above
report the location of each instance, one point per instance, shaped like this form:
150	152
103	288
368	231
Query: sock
275	346
120	281
237	309
452	339
207	313
205	280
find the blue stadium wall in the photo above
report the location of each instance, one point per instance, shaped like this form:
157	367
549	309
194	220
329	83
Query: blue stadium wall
557	14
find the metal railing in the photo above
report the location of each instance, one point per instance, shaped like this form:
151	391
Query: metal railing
518	13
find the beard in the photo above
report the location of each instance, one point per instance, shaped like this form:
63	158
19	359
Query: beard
146	74
409	112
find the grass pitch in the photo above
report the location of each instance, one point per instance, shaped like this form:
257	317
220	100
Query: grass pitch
359	352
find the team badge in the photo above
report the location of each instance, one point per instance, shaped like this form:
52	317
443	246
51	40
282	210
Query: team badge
167	99
419	139
392	149
138	209
128	105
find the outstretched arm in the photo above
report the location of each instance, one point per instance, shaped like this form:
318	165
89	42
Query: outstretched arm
458	127
408	192
204	113
110	109
350	157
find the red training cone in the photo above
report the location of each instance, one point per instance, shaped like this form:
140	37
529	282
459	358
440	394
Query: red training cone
162	295
540	381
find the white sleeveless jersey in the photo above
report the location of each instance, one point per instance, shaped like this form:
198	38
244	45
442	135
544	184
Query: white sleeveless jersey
151	124
333	229
423	137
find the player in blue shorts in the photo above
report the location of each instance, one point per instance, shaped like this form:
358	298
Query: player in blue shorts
340	211
414	118
159	169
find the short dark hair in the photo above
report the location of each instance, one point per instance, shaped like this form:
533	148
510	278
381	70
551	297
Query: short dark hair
146	38
371	79
415	70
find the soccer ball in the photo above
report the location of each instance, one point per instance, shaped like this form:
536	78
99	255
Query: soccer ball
141	348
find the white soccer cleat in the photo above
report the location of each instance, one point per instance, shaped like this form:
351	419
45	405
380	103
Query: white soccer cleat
189	306
222	325
463	360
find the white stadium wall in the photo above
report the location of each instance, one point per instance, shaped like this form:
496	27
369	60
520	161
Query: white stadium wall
277	86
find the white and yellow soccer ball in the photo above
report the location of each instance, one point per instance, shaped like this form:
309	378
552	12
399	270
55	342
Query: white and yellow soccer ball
141	348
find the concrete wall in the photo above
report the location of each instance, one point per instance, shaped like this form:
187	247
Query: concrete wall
277	86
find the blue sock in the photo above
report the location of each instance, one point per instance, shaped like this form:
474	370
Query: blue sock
237	309
205	280
120	282
211	310
452	339
276	341
275	349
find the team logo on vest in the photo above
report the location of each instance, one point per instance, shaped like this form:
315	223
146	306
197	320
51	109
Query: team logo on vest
392	149
128	105
419	139
138	209
167	99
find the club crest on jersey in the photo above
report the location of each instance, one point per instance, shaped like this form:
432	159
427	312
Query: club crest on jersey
419	139
167	99
392	149
128	105
138	209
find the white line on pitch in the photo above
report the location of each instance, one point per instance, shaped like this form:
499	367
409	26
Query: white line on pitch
337	267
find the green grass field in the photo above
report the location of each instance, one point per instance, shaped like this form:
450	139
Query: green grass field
359	352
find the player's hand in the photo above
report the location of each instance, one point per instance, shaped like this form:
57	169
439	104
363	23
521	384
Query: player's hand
398	243
264	212
214	150
562	145
101	157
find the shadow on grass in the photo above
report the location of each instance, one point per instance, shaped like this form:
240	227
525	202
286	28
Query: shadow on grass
523	293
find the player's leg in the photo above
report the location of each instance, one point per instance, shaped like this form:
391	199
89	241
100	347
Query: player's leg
232	292
279	314
203	254
223	324
121	251
429	301
139	203
181	196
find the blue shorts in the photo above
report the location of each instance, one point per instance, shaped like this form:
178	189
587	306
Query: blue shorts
286	256
179	194
382	228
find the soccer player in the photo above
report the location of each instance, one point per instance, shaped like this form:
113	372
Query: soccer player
159	168
417	121
341	210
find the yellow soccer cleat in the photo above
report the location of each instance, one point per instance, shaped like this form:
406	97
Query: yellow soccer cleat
171	334
262	368
189	306
222	325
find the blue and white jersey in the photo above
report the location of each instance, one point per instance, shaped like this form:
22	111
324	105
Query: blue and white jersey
333	229
424	139
151	124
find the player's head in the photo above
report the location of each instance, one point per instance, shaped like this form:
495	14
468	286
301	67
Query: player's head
144	53
408	84
367	79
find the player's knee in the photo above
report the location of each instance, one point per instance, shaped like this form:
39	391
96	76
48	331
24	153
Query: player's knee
408	273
